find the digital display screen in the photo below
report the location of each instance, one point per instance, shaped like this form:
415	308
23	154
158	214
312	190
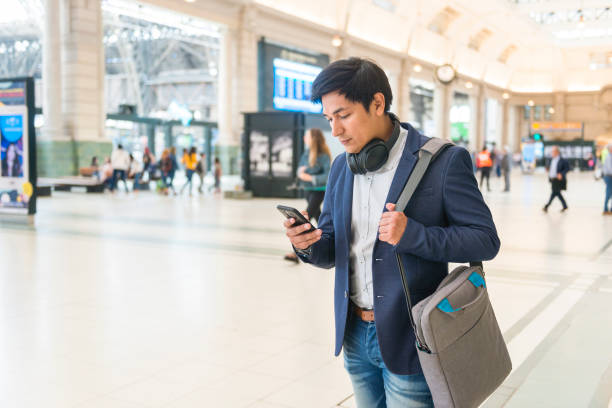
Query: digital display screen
293	86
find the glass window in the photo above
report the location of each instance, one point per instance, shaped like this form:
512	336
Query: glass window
547	112
537	112
460	118
421	106
527	112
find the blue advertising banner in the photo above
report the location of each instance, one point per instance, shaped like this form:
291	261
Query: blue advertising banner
17	147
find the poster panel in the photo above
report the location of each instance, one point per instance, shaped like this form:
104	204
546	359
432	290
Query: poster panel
17	179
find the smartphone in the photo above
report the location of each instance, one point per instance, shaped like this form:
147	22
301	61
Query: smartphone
290	212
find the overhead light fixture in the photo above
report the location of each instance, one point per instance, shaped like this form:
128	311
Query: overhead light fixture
417	68
190	1
506	95
530	102
337	41
551	110
469	85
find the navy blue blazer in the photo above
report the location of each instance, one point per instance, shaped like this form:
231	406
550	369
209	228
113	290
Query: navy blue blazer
562	167
448	221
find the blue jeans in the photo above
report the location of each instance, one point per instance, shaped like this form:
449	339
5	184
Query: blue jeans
118	175
608	181
374	385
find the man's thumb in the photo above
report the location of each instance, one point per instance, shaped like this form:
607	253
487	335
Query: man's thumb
390	206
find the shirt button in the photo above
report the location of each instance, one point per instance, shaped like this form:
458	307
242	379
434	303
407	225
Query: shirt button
345	294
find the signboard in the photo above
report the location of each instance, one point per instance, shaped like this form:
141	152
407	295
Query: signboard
17	147
285	77
293	86
556	126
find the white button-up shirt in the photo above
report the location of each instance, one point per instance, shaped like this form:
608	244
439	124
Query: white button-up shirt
370	191
552	171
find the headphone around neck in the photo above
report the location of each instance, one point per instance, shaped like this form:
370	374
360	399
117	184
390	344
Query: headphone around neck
374	154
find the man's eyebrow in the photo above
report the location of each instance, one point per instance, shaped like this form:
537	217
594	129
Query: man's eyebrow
335	112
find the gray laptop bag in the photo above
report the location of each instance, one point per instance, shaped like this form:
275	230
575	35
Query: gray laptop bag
459	343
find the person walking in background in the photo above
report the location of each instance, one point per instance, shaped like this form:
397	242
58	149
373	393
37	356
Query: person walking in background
165	165
484	164
170	181
557	171
506	165
135	172
218	172
201	171
148	164
107	173
120	160
95	168
607	176
496	160
190	161
312	173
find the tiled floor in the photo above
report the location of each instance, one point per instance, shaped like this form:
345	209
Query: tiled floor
132	301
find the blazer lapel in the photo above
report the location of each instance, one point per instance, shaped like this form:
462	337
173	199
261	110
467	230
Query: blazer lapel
347	199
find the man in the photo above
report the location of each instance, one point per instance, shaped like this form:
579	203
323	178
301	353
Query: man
201	171
557	171
607	176
506	165
484	162
360	231
120	160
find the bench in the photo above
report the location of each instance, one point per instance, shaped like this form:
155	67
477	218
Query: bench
91	185
43	189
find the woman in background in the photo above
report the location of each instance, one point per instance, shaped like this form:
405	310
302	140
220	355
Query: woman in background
312	173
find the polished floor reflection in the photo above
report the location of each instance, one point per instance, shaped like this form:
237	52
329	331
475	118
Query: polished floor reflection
131	301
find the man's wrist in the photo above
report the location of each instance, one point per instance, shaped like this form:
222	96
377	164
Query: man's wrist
304	252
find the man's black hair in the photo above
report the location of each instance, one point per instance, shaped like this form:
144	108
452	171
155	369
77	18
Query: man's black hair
356	79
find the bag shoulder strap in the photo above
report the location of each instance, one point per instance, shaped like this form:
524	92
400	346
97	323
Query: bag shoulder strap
428	152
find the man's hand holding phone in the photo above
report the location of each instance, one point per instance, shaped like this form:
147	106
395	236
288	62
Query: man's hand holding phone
301	236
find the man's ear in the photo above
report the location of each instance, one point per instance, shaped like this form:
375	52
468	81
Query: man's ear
378	104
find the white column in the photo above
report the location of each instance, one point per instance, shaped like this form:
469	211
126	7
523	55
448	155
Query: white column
226	106
559	105
51	71
505	112
82	87
403	95
477	103
442	105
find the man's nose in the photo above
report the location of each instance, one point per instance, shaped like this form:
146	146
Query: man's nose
337	129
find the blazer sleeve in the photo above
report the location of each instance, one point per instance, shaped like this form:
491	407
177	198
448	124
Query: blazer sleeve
470	234
564	167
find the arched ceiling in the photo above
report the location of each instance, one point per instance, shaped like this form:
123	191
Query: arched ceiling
503	42
521	45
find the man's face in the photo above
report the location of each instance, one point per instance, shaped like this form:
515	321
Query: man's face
555	152
350	122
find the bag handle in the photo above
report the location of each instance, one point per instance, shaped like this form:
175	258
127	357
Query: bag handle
428	153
